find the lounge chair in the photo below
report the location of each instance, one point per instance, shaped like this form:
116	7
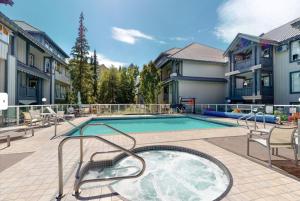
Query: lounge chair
60	115
85	111
274	138
6	133
32	117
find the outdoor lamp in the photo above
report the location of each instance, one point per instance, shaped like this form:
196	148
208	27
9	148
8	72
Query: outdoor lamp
44	100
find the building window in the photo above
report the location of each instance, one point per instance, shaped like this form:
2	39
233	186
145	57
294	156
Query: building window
31	60
32	83
295	82
295	50
23	79
47	65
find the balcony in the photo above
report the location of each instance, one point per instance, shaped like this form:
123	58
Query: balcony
62	77
27	92
243	64
247	91
247	63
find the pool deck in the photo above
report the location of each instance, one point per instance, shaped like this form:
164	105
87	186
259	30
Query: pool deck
35	177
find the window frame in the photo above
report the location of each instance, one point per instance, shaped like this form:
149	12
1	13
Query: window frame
293	92
33	62
290	52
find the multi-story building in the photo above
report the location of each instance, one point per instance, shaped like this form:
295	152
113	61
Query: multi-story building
265	68
34	66
195	71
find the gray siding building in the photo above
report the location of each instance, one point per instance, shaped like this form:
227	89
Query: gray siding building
32	65
195	71
265	68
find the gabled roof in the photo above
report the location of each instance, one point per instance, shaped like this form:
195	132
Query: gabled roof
199	52
172	51
33	30
284	32
16	28
25	26
193	51
275	36
249	37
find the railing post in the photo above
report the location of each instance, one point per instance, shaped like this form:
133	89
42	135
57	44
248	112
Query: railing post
226	109
18	115
81	146
216	108
118	108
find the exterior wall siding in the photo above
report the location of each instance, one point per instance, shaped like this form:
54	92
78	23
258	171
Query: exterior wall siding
203	69
38	58
11	81
2	75
282	69
21	50
204	92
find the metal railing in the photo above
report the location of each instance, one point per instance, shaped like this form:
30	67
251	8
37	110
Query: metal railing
78	182
13	116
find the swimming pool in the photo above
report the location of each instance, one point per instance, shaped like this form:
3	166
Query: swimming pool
144	125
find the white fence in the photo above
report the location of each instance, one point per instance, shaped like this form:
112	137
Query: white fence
14	113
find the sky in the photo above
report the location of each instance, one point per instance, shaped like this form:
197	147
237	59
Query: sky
137	31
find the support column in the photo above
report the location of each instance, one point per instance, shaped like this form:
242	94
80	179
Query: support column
27	52
253	85
258	82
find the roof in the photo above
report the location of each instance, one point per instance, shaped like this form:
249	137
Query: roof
283	32
199	52
193	51
33	30
172	51
25	26
16	28
249	37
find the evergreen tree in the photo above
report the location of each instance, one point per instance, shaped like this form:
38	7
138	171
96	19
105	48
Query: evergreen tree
94	63
109	86
81	72
150	85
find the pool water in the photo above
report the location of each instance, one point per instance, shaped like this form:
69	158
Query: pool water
169	175
141	125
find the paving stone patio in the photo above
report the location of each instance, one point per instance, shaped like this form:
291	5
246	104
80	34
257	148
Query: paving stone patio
35	178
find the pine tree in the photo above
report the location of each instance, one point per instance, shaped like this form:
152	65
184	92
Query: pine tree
94	63
150	85
81	72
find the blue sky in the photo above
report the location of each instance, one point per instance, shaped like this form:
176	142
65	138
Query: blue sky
136	31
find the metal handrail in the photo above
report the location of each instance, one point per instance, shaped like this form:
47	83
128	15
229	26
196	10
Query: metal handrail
118	131
254	115
60	163
242	117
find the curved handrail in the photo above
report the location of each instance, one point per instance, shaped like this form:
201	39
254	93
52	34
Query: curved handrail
60	163
118	131
243	117
254	115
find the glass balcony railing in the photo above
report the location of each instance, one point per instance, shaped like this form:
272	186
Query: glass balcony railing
247	91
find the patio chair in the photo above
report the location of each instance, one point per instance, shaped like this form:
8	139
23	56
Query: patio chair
274	138
31	118
85	111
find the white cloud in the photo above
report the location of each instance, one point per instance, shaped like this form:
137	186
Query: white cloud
162	42
179	38
254	16
129	36
106	61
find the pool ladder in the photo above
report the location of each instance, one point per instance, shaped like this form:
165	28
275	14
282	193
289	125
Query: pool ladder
81	172
251	116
